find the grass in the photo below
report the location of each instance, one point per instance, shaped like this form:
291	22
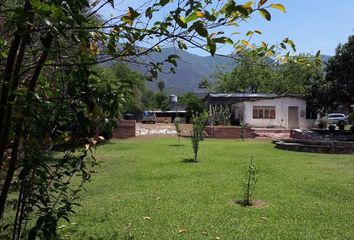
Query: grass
147	188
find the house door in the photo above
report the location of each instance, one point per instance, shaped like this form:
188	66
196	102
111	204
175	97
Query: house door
293	117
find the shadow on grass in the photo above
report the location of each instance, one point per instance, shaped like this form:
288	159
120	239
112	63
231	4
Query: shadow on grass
176	145
252	204
188	160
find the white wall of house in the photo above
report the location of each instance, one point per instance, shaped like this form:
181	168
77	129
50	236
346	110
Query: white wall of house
281	112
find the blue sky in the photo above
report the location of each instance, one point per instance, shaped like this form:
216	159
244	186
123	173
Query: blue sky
312	24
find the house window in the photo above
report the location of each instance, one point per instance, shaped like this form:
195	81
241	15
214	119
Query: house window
264	112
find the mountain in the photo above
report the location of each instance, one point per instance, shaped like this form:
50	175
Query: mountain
190	71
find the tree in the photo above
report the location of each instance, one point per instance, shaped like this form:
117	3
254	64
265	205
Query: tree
161	86
48	49
194	105
340	76
262	74
253	74
161	101
204	84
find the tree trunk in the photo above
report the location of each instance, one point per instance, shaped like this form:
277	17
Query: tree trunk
18	133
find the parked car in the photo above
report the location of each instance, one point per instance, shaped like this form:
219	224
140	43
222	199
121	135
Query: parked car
149	117
333	119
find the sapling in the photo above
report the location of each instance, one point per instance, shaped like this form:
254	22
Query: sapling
177	122
249	183
242	135
199	122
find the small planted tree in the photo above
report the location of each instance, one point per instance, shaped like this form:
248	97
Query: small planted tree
199	122
177	122
243	126
249	183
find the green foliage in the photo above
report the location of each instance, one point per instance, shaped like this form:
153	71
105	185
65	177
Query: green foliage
199	122
161	86
161	101
220	115
323	123
351	118
194	105
263	74
177	123
249	183
339	76
205	84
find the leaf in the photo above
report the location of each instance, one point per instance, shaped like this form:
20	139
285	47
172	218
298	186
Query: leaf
264	13
211	46
164	2
200	29
132	13
245	42
181	21
249	33
192	17
157	49
183	230
199	13
318	53
279	7
258	32
241	9
261	3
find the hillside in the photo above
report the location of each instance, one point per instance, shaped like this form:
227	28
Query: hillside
190	71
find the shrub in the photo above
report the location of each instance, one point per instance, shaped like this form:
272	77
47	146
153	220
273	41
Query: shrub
341	125
351	118
332	127
323	123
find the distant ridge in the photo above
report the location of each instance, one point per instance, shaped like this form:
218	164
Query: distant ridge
190	71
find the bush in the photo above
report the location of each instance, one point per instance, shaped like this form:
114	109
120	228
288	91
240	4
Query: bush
351	118
341	125
332	127
323	123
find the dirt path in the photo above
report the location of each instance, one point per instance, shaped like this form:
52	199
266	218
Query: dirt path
161	129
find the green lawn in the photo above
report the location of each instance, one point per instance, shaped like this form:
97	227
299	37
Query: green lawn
144	190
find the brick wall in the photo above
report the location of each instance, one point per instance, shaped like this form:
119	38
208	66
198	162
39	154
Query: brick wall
229	132
126	129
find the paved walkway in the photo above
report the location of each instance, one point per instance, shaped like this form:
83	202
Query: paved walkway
169	129
161	129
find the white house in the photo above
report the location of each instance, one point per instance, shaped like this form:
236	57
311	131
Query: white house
261	110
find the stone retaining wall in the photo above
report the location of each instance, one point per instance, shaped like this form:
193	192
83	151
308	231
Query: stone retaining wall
126	129
229	132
